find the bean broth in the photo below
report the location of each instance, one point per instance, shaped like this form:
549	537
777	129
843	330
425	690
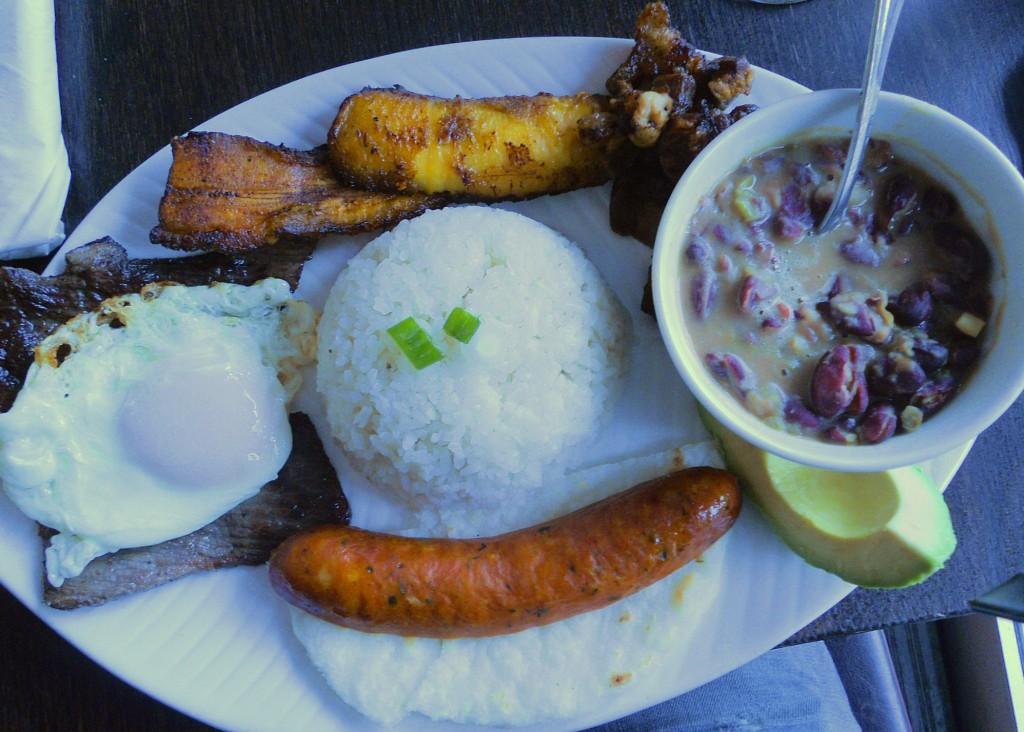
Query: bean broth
853	335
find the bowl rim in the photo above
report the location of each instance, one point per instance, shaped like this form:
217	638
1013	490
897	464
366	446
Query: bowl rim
738	143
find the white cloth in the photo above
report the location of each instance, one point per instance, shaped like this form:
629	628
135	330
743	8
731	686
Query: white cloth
34	172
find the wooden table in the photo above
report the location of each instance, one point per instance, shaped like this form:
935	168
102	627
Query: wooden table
133	73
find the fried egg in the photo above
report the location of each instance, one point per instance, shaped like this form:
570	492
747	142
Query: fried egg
153	415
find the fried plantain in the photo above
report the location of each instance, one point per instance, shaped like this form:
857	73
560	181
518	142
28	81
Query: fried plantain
499	148
231	193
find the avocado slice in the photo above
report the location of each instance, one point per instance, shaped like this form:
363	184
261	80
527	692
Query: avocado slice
882	530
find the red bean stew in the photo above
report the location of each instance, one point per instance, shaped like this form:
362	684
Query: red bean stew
851	336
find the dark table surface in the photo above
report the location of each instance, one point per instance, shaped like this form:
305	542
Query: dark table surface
133	73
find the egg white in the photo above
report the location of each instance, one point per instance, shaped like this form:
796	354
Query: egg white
153	415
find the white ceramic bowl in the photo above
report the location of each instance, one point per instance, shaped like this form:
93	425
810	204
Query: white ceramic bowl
991	192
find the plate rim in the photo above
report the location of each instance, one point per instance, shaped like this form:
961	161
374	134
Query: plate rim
80	235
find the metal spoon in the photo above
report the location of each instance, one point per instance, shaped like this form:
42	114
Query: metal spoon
882	27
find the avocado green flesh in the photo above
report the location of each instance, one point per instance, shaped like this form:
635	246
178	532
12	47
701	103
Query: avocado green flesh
845	507
887	529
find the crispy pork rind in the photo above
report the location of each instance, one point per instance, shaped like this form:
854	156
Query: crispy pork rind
233	194
673	100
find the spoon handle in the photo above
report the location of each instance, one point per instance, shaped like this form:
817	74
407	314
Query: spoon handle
882	28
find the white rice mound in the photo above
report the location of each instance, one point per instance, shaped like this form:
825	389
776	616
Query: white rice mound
486	424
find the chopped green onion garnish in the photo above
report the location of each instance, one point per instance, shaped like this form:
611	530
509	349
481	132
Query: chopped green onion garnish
415	343
461	325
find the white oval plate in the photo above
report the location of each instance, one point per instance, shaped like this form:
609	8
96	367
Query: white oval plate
219	646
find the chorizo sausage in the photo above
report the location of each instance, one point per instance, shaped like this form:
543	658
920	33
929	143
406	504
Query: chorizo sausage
452	588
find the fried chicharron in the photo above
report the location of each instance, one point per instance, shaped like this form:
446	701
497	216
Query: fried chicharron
672	100
231	193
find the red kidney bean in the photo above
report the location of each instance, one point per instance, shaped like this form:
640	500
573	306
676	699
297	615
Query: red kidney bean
836	379
900	195
944	287
912	306
753	291
861	398
856	316
879	423
731	370
796	412
840	435
697	251
804	175
839	283
703	292
787	227
964	293
861	251
934	393
736	241
851	317
895	374
765	250
796	205
928	352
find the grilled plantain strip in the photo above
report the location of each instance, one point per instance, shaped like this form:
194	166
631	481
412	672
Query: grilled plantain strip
231	193
499	148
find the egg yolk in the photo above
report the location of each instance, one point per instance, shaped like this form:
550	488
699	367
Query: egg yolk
202	420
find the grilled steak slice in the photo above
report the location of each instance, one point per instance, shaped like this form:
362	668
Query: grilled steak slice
33	306
306	494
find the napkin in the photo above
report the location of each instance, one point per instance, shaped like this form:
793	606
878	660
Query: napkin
34	172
